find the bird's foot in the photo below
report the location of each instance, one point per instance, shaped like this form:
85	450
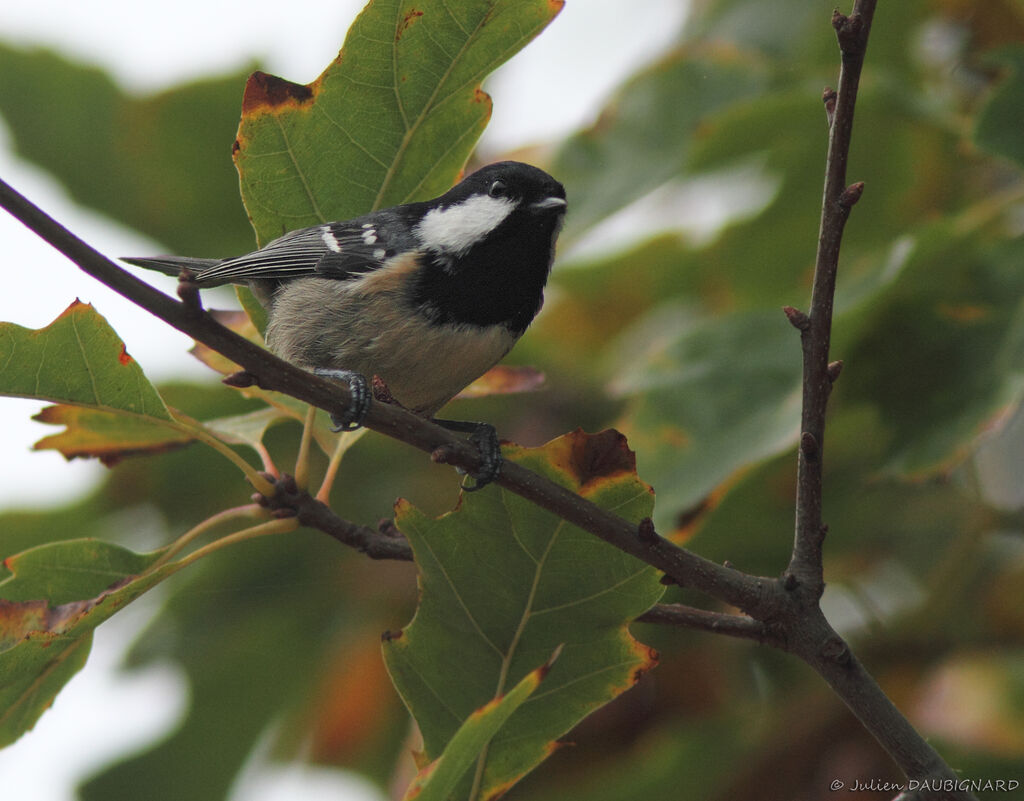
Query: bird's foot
485	438
359	398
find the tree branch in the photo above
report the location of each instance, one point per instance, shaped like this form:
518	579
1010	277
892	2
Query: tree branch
386	542
808	633
689	617
749	593
805	565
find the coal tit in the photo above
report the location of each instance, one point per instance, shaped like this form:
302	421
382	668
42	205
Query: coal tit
427	296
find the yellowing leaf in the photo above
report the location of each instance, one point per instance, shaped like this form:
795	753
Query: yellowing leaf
107	436
504	380
436	781
57	595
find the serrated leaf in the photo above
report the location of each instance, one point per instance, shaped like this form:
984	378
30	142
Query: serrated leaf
107	436
438	780
78	359
503	583
57	595
393	119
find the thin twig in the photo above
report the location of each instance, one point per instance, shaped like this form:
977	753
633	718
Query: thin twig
385	543
815	327
808	633
689	617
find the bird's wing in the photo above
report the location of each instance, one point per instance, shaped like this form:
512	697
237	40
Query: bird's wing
332	250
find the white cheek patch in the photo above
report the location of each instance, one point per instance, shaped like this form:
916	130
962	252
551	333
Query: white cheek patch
457	228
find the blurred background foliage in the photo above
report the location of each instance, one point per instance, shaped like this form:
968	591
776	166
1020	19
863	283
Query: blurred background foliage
672	333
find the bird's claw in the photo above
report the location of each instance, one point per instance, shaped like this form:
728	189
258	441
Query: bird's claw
485	438
359	398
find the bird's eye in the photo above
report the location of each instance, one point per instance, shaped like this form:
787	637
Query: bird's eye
498	189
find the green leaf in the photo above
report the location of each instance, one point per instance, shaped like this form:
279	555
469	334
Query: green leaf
57	595
78	359
998	128
645	135
710	395
941	352
285	616
393	119
158	163
437	780
503	583
249	428
255	310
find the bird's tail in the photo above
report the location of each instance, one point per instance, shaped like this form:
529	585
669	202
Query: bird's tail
173	265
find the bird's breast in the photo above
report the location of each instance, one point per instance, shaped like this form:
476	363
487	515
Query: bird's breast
371	326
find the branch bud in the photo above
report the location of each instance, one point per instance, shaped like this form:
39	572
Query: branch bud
851	195
849	32
645	531
835	650
797	318
809	445
188	291
241	379
442	454
828	97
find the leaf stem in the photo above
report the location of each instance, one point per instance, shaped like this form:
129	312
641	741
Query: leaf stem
204	435
266	459
302	460
276	526
344	442
176	547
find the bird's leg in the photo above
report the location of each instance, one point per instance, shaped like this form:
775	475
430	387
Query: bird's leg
485	438
482	435
359	403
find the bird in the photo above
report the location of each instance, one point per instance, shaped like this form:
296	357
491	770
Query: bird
423	297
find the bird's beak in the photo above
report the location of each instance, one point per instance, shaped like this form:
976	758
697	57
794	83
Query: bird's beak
548	203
